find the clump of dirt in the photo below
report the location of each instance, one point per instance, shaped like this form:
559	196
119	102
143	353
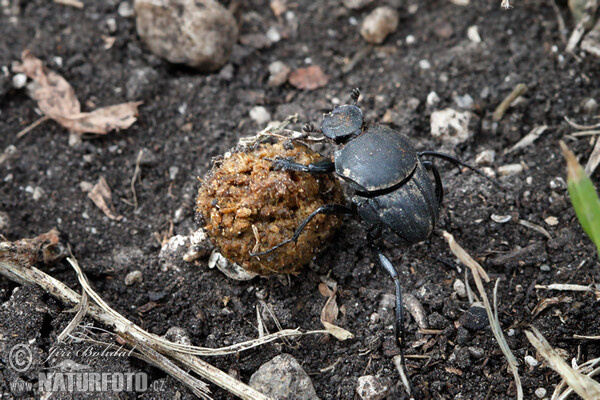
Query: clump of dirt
248	207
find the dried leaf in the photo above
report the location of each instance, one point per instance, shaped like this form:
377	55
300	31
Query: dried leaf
55	96
337	332
330	311
103	120
309	78
45	247
278	7
57	100
102	198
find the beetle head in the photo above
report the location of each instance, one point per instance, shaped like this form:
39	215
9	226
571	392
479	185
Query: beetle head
343	123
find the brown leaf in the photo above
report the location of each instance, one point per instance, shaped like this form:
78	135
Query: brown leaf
57	100
278	7
309	78
103	120
45	247
102	198
55	96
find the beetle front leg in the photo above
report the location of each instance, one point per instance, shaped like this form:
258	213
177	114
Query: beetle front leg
323	166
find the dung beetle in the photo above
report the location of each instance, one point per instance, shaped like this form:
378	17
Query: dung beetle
394	195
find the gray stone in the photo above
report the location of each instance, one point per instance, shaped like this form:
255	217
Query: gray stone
379	24
372	388
198	33
283	378
451	126
134	277
140	82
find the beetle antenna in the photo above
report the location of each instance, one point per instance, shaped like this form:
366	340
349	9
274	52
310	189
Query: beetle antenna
355	95
456	161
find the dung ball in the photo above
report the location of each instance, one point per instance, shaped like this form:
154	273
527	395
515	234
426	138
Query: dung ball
246	206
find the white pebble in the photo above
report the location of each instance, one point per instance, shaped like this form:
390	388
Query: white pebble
19	81
473	34
424	64
510	169
540	392
531	361
273	35
125	10
432	99
460	288
410	39
260	115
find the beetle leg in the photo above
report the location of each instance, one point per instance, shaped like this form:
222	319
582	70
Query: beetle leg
323	166
327	209
355	95
454	160
439	187
387	265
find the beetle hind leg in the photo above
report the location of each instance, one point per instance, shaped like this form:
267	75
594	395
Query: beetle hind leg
327	209
389	268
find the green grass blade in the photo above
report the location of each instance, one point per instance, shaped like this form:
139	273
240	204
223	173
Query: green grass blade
583	196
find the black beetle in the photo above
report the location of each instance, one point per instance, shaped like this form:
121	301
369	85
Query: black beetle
394	195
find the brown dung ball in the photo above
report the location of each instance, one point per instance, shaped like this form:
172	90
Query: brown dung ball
248	207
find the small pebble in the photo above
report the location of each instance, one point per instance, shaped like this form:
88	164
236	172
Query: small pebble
19	81
260	115
125	10
111	25
460	288
4	221
283	378
424	64
465	101
451	126
278	73
432	99
410	39
475	318
540	393
510	169
381	22
531	361
485	158
372	388
476	352
134	277
173	171
356	4
178	335
473	34
551	221
545	268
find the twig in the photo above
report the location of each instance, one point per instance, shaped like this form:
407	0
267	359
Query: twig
582	384
198	387
518	91
82	310
70	3
479	273
16	265
32	126
562	28
134	178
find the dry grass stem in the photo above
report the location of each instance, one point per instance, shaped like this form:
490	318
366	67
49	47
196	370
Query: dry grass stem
134	178
32	126
594	159
569	287
575	125
16	263
82	309
70	3
528	139
479	274
582	384
535	227
517	92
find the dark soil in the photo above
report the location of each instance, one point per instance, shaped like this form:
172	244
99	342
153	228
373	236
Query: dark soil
188	118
